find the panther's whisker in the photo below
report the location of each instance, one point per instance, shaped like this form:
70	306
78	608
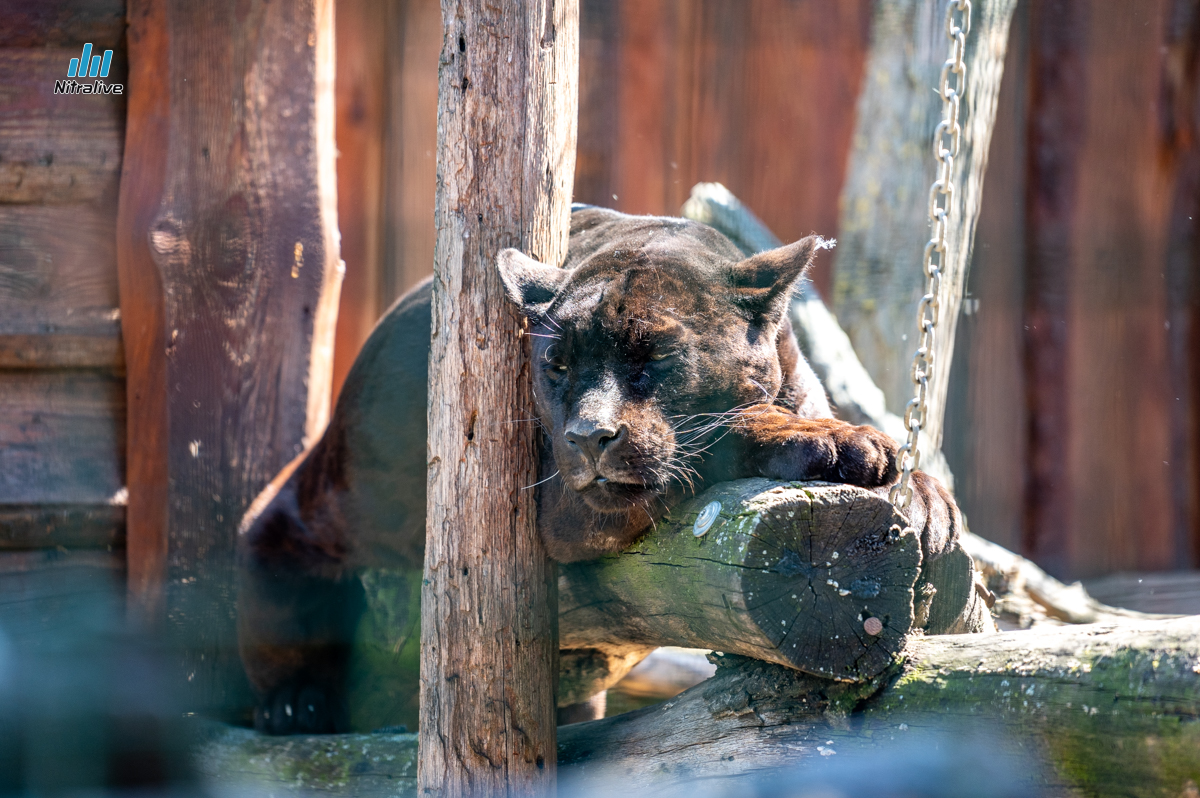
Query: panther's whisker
547	479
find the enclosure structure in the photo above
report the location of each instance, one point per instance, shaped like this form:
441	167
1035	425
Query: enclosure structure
108	462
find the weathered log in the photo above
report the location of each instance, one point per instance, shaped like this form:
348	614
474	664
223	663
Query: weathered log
1109	709
1113	707
507	109
786	574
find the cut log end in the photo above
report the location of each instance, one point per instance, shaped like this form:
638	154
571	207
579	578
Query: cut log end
829	580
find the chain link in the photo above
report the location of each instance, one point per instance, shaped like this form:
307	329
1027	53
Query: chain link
946	140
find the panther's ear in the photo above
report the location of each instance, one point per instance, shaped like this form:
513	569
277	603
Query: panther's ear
763	283
529	283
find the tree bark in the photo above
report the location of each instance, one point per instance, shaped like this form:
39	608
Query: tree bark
884	225
506	156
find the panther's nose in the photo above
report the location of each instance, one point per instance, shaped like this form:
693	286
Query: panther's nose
592	438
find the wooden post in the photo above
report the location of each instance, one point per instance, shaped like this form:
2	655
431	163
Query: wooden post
229	280
878	277
506	157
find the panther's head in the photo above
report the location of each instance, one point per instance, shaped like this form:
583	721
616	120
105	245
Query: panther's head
652	332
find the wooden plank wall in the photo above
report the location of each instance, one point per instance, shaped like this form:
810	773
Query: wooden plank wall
62	388
387	53
758	96
1074	436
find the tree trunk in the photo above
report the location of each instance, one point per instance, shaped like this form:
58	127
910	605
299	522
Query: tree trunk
506	156
884	225
229	275
1108	710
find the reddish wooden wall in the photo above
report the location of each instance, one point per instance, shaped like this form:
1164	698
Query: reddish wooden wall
1075	434
758	96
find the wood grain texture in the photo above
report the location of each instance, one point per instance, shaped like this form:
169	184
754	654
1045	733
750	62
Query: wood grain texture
62	437
1136	682
758	96
141	294
58	271
47	351
507	105
242	237
1097	710
56	148
50	526
884	204
38	23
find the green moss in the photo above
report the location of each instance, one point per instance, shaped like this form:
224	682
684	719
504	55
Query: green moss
386	665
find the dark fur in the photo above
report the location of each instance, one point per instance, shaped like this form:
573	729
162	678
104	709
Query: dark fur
664	362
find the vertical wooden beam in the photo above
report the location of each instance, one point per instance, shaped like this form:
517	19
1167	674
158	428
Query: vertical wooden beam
1181	129
507	106
142	323
410	175
229	282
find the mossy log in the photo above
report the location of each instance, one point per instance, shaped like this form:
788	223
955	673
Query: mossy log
1109	709
814	576
1098	709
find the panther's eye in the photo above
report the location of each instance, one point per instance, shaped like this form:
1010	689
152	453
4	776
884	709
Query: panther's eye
662	355
554	368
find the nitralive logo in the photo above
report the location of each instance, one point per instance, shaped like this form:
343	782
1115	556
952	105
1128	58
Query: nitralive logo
89	66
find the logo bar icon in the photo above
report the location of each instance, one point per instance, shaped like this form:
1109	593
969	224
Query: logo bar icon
88	65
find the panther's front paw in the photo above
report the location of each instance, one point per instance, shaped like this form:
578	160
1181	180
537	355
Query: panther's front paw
296	708
786	446
865	457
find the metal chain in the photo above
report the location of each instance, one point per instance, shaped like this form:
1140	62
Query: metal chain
942	191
